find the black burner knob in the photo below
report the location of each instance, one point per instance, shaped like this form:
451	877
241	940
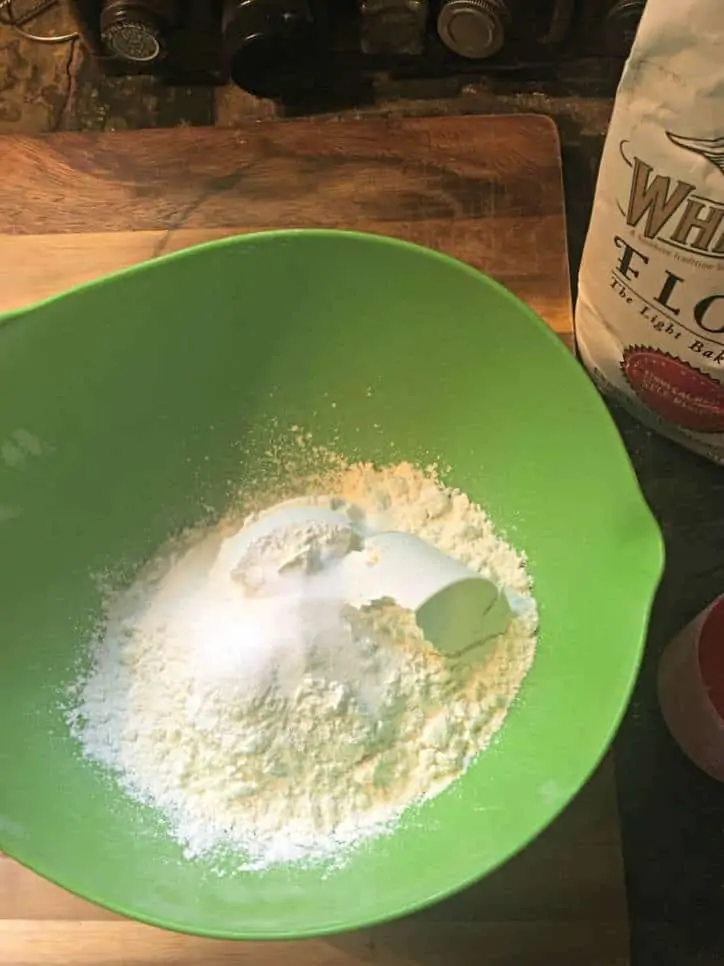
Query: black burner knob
132	33
270	46
474	28
621	25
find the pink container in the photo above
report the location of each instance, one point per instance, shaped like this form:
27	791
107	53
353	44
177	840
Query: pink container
691	689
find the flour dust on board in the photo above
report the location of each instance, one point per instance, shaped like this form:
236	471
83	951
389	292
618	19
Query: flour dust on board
650	312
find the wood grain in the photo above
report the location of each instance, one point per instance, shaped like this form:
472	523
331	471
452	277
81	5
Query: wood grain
451	944
485	189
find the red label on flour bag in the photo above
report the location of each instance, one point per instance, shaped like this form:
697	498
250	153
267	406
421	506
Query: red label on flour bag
650	312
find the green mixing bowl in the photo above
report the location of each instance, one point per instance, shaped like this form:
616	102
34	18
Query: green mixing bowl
128	406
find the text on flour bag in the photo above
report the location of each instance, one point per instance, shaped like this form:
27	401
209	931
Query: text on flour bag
650	311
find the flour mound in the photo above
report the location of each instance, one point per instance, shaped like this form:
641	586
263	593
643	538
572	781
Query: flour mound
235	689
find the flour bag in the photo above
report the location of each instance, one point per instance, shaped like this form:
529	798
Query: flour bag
650	312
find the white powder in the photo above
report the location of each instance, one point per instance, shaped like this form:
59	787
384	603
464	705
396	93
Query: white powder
237	691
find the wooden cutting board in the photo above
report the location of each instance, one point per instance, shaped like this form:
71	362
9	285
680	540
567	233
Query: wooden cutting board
485	189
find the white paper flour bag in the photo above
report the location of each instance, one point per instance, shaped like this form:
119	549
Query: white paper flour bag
650	312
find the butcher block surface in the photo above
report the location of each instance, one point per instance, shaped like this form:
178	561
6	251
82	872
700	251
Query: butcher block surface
487	190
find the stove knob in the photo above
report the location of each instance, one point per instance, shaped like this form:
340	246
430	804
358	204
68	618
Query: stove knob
132	34
270	47
622	22
474	28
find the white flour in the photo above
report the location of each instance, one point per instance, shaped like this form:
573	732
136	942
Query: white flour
236	691
650	312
